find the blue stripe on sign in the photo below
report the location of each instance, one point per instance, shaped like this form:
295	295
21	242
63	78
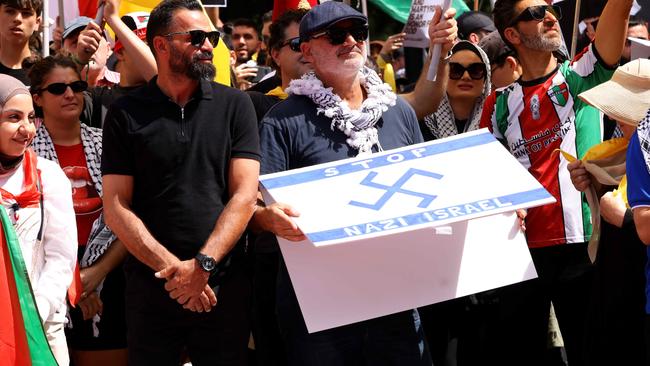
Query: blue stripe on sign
378	161
470	208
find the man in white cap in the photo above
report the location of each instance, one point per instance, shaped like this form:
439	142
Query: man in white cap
362	116
618	299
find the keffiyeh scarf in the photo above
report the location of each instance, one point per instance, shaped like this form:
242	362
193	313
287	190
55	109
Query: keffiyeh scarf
357	125
442	123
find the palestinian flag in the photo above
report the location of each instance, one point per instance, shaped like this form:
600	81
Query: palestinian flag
22	338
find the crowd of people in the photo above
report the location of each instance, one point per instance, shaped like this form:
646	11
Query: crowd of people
130	179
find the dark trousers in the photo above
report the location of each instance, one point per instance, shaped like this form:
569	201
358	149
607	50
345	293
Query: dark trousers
395	340
616	317
521	337
456	330
269	348
160	330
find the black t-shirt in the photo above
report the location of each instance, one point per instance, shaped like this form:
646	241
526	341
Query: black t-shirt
179	158
20	74
262	102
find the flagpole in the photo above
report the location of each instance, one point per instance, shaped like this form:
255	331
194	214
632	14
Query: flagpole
574	37
61	14
46	29
364	10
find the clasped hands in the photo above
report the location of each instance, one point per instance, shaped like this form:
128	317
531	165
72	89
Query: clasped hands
187	283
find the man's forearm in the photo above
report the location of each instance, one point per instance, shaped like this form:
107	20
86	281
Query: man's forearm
136	48
137	239
642	223
114	255
612	30
426	96
230	226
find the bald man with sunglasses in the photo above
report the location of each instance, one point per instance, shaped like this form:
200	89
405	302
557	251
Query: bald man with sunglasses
533	117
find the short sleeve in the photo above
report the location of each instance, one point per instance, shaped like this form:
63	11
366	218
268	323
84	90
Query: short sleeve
638	175
246	143
117	145
274	146
588	70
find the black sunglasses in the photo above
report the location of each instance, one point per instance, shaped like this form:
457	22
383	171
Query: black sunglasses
338	35
293	43
197	37
537	13
476	70
60	88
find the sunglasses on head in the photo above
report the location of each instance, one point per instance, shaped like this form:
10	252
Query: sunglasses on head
338	35
60	88
476	70
537	13
293	43
197	37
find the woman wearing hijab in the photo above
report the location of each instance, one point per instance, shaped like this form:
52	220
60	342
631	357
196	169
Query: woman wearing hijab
36	197
468	86
453	328
97	330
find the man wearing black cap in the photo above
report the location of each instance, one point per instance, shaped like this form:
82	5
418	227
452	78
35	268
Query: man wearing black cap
339	110
474	25
505	68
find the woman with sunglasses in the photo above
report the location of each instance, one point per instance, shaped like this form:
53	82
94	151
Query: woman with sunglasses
97	332
467	88
35	195
459	111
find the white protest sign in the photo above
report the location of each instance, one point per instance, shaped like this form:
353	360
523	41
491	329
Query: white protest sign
373	249
434	183
640	48
343	284
417	24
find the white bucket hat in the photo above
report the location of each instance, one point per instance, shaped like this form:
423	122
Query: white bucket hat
626	96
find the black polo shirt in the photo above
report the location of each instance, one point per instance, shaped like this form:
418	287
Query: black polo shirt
179	158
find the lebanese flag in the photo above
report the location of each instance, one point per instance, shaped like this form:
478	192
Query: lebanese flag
22	338
280	6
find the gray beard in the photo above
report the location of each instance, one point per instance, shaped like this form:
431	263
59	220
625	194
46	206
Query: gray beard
541	43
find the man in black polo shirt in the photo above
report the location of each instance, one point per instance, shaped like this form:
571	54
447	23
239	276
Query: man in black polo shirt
180	167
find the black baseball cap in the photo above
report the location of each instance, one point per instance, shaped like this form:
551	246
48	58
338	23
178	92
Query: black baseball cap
321	16
495	48
472	21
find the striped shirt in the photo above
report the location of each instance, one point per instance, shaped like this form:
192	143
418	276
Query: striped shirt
533	119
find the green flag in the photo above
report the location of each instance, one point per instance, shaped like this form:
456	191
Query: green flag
22	338
399	9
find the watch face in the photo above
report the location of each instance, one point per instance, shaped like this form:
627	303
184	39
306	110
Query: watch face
208	264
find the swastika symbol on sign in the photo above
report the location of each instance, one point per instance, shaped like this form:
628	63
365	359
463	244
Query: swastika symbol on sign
397	188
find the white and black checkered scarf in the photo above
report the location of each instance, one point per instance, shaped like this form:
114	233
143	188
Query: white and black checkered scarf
91	139
357	125
442	122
